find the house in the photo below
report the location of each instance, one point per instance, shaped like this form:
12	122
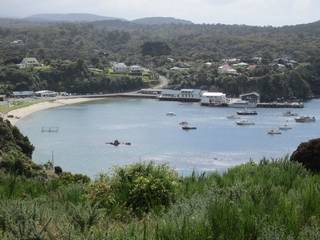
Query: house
136	69
179	69
17	42
46	93
2	98
252	97
257	60
22	94
120	68
241	65
208	64
227	69
231	60
214	99
171	59
29	63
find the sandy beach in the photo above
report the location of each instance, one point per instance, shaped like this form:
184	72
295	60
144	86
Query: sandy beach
23	112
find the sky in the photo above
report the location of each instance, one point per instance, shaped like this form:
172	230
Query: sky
250	12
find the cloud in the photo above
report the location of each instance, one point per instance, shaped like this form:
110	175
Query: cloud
252	12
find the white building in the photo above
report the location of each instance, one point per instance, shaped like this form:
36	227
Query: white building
227	69
22	94
46	93
29	63
120	68
136	69
184	95
240	65
214	99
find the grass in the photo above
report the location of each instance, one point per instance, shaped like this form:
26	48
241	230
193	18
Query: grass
269	200
5	108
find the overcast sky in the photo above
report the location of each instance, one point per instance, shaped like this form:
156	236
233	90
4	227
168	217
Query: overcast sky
252	12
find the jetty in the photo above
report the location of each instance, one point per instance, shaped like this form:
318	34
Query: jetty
281	105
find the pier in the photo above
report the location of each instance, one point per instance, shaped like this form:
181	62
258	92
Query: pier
281	105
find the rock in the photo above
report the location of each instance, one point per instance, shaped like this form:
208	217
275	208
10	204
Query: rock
308	154
58	170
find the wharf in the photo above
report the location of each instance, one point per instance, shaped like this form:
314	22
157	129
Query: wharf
281	105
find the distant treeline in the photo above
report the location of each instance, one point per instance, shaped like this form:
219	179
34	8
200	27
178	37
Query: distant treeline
100	42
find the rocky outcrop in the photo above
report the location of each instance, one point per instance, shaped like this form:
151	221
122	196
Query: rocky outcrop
308	154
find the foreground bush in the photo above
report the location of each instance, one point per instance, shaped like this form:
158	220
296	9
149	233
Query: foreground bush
308	154
139	187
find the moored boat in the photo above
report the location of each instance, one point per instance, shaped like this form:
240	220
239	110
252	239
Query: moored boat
232	117
274	132
290	114
238	103
244	123
171	114
188	127
305	119
285	127
247	112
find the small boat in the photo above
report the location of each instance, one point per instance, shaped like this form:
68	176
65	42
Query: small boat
171	114
305	119
246	112
244	123
183	123
188	128
233	117
285	127
274	132
290	114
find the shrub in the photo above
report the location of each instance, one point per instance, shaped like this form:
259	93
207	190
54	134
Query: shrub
308	154
139	187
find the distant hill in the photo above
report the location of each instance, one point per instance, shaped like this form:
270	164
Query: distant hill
71	17
160	21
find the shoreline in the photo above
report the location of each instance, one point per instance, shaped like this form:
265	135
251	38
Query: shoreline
23	112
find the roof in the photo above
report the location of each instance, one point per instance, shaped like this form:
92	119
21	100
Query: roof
213	94
251	93
120	65
22	93
44	91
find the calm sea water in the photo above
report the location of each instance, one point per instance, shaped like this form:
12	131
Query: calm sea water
217	144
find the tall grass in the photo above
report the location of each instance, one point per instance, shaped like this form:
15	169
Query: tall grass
269	200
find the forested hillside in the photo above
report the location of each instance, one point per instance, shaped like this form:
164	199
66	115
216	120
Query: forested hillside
100	42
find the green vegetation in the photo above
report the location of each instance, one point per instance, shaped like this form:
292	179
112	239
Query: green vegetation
267	200
99	43
5	108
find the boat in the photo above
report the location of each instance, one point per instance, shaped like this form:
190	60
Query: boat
232	117
285	127
171	114
188	128
247	112
238	103
183	123
290	114
305	119
244	123
274	132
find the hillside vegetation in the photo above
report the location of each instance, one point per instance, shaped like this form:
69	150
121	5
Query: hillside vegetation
98	43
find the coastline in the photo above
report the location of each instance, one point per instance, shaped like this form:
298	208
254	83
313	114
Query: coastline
26	111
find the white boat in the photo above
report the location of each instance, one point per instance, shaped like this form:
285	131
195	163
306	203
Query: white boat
244	123
233	117
290	114
241	104
171	114
285	127
274	132
305	119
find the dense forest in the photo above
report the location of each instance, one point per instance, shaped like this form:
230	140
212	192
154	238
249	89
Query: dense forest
98	43
266	200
